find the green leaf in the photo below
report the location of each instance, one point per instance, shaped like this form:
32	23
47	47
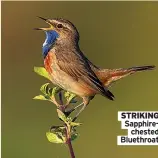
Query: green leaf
61	115
40	97
49	91
57	129
45	89
42	72
55	90
74	124
55	138
70	97
74	136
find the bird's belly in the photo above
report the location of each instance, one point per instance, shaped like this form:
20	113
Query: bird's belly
66	82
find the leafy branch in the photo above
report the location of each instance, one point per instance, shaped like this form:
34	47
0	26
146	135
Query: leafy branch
66	133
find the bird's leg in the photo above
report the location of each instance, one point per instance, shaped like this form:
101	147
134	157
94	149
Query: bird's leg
67	113
76	116
85	103
78	106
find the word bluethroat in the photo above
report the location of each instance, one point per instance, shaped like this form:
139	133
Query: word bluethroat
70	69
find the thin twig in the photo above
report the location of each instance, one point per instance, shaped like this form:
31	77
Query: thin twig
60	98
68	142
53	99
67	127
62	106
68	136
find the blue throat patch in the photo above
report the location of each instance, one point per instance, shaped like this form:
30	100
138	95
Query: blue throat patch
51	37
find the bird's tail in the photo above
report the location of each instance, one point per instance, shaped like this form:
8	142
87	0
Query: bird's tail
109	76
141	68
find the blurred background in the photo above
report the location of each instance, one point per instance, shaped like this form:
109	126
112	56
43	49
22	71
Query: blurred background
113	35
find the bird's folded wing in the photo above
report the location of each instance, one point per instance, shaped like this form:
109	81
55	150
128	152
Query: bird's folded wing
75	66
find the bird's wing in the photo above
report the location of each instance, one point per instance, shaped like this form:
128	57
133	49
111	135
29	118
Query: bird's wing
77	67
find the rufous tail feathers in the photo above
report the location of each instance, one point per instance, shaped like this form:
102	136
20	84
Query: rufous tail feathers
109	76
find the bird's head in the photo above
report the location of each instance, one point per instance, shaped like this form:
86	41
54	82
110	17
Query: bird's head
62	28
60	31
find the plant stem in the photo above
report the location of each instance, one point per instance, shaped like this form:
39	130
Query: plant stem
68	142
70	148
68	136
60	98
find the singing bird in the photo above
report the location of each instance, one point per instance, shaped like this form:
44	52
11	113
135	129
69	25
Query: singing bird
71	70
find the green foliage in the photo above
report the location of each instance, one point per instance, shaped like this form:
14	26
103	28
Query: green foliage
45	89
61	115
57	134
40	97
74	136
75	124
67	120
42	72
70	97
55	90
55	137
47	92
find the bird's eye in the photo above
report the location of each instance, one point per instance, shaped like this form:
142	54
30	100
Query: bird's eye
59	26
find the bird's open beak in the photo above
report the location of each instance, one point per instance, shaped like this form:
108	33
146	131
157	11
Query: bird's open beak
48	22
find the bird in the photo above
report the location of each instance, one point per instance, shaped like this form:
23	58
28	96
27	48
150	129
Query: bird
71	70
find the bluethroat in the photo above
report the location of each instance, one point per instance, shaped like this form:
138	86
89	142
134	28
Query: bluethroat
71	70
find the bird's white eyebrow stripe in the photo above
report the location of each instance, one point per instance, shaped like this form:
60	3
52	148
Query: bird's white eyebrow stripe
58	22
55	21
